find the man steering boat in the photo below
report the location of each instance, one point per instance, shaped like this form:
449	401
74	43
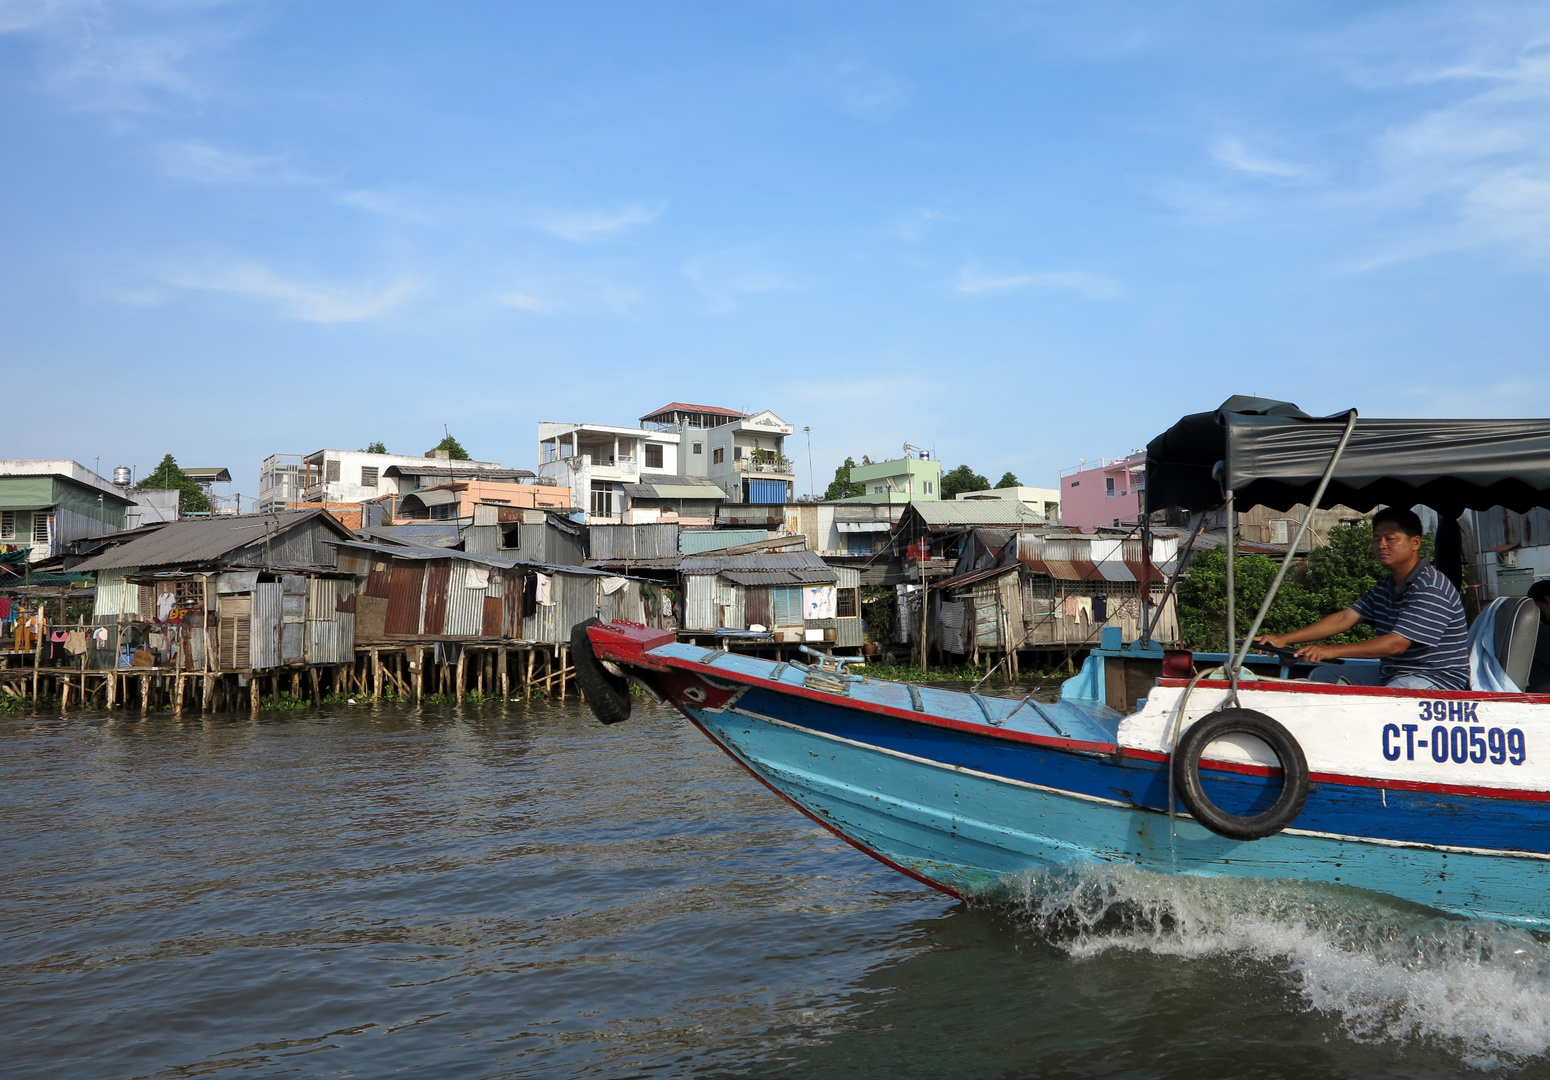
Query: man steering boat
1417	613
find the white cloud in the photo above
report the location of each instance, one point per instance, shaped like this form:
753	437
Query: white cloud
1092	286
726	277
593	226
196	162
914	225
384	203
307	302
526	302
1233	154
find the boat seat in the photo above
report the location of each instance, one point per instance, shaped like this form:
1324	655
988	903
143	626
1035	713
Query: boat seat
1517	632
1501	644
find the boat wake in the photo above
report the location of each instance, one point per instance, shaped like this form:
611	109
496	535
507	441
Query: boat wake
1384	970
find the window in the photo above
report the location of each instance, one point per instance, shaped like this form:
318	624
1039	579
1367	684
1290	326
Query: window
653	455
699	448
7	524
737	453
1108	486
786	605
928	487
1279	532
368	476
717	456
847	603
602	499
331	471
40	527
1076	483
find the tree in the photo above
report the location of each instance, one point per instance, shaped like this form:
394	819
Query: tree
962	478
453	447
375	448
842	488
168	477
1008	481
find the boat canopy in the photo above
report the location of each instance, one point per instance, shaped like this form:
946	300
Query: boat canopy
1273	454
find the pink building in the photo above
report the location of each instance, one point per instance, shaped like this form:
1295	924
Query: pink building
1103	494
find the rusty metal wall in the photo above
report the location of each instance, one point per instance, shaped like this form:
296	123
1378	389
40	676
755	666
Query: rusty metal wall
404	590
437	576
267	605
625	604
1497	527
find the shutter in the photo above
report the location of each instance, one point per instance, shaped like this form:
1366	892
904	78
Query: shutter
756	606
234	635
786	605
766	491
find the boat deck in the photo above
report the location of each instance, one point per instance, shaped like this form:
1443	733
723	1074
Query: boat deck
1088	721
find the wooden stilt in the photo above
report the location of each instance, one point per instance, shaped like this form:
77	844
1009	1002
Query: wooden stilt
177	697
419	673
480	683
503	674
254	699
145	694
564	668
462	672
376	673
527	676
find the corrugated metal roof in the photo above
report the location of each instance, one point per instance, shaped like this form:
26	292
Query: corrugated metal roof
421	552
781	577
720	563
976	512
428	534
674	487
678	406
432	497
198	540
700	541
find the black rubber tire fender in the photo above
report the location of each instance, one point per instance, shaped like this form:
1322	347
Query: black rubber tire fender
607	695
1294	770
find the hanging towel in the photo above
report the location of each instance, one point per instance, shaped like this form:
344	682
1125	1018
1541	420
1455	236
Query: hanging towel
1070	606
478	577
1100	609
612	585
75	642
1084	605
545	593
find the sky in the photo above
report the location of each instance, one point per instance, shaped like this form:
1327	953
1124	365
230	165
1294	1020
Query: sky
1017	234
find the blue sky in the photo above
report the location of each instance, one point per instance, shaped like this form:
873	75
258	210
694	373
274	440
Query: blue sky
1019	233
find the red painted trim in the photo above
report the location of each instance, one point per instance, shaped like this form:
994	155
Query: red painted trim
906	871
1301	687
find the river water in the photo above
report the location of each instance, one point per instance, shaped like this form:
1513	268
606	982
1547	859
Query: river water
367	892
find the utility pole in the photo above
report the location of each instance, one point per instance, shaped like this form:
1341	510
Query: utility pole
812	488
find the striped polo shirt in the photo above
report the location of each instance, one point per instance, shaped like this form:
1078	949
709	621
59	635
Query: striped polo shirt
1427	612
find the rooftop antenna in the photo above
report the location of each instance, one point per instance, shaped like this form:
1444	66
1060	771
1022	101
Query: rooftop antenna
812	488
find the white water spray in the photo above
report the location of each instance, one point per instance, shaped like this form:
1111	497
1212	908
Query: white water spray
1385	971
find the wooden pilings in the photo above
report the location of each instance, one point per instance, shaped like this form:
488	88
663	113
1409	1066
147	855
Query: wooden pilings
411	672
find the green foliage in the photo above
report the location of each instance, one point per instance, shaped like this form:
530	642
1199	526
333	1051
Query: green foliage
966	673
168	477
375	448
1331	579
1008	481
963	478
842	488
880	610
453	447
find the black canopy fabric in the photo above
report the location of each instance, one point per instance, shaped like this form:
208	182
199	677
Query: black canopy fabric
1274	454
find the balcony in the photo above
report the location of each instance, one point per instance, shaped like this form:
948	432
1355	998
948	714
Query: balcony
772	467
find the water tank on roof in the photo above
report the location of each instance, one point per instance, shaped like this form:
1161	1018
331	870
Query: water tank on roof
122	476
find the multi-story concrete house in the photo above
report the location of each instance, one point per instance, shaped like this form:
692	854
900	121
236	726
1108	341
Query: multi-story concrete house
44	505
744	454
354	476
1104	494
600	462
902	480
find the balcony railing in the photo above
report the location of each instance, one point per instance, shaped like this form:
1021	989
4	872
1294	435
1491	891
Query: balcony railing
771	466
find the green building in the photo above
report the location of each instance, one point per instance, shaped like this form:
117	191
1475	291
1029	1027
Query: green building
44	505
903	480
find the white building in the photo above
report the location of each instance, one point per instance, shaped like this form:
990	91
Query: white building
354	476
1042	501
46	504
598	461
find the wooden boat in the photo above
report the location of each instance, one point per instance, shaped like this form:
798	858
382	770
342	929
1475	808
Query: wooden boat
1440	798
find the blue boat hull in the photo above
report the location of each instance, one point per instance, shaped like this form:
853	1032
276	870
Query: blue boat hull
963	829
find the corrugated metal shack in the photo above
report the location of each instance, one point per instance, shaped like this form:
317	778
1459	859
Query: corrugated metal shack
410	592
1037	588
794	595
265	587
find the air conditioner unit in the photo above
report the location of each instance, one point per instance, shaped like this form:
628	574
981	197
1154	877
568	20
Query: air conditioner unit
1507	559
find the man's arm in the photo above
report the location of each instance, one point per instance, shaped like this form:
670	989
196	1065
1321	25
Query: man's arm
1328	626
